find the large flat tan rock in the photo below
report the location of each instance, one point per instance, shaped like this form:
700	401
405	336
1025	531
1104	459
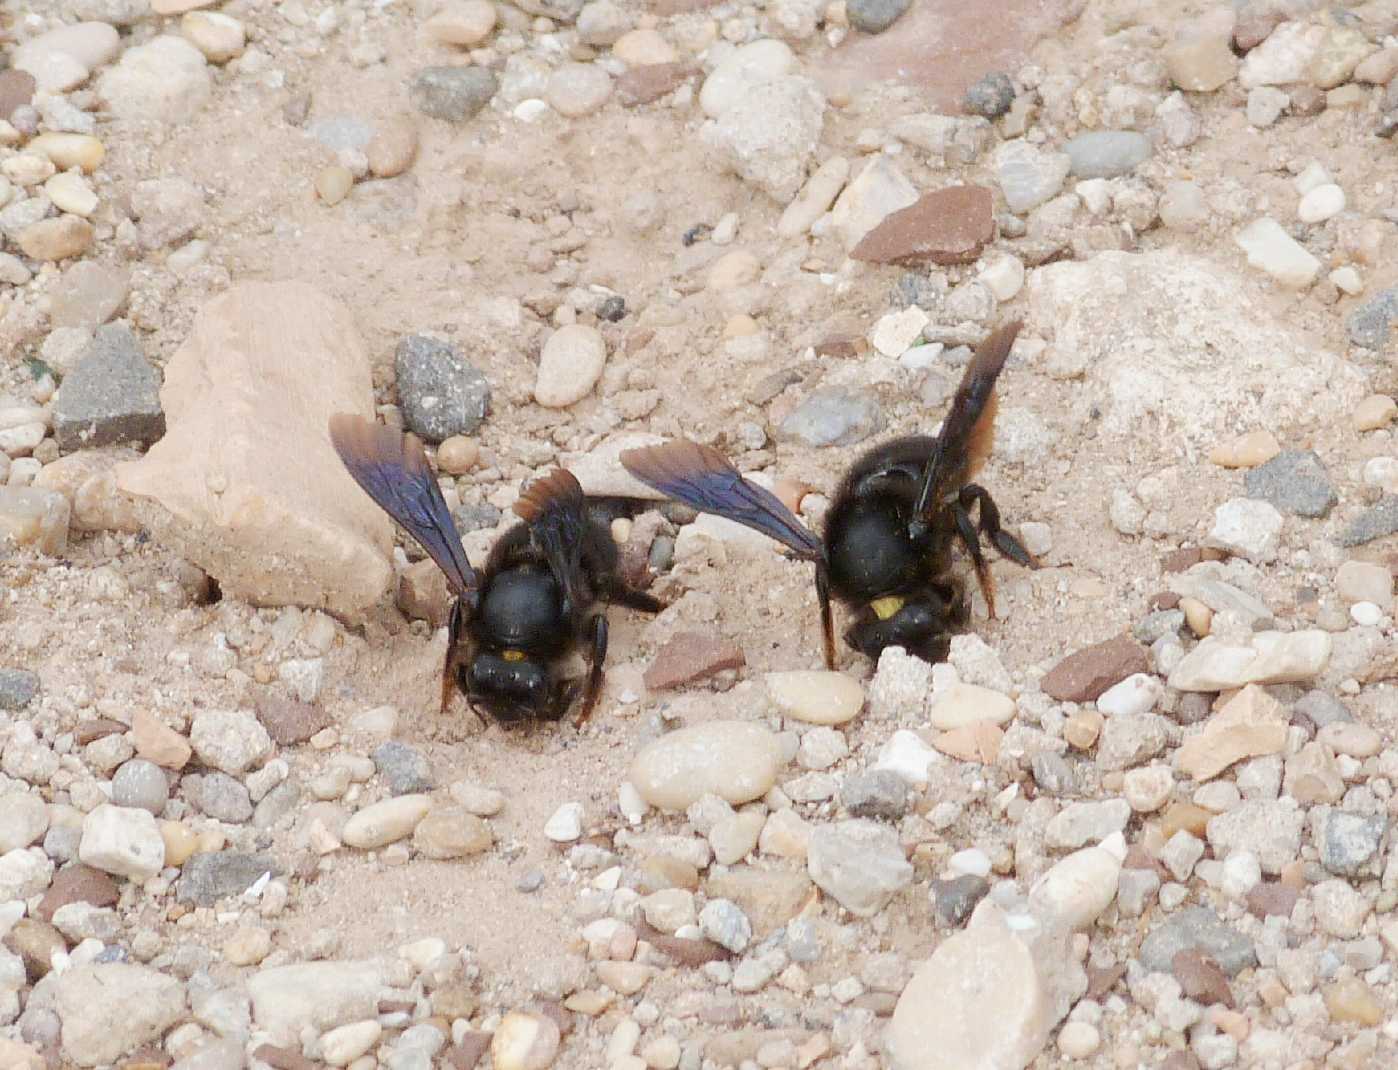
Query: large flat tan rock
245	482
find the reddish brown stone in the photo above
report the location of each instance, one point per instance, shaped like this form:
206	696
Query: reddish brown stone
642	85
841	346
1202	979
423	593
284	1058
687	951
1102	979
690	656
97	728
465	1055
1164	600
35	941
1272	898
946	226
288	721
77	884
1255	24
1083	676
16	89
1188	556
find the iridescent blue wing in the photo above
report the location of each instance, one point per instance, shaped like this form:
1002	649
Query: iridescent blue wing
392	468
556	511
703	479
968	432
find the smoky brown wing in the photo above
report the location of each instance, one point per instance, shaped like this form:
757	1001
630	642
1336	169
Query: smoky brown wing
555	509
703	479
969	429
392	468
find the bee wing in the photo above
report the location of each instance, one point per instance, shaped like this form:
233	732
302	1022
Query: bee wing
703	479
555	509
392	468
968	432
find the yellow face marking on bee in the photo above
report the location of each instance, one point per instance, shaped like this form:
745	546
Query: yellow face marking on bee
513	655
886	606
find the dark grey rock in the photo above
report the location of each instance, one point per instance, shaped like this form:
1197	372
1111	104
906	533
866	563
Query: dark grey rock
141	784
834	416
878	793
1322	708
112	395
1201	928
404	769
276	804
1053	774
1351	843
207	878
441	394
1368	325
662	554
479	517
613	309
17	688
1373	523
875	16
991	96
1107	153
453	93
925	291
954	899
219	796
1295	481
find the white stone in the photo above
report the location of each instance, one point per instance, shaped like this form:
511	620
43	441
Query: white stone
122	840
1003	276
569	365
1347	279
909	756
735	760
1137	694
166	79
1271	249
815	696
1283	58
231	741
565	824
879	190
770	133
1029	175
24	872
759	61
346	1043
321	995
1272	658
963	704
1248	527
896	331
385	821
1322	203
815	198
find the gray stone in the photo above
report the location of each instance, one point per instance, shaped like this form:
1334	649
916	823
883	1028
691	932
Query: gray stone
874	16
1029	175
88	295
1052	773
479	517
1159	624
441	394
219	796
1295	481
1322	708
1200	928
724	922
61	843
339	132
860	863
1107	153
834	416
1351	844
1368	325
455	94
17	688
954	899
1131	740
207	878
404	769
877	793
1373	523
1081	823
1134	891
111	397
141	784
1269	828
991	96
276	804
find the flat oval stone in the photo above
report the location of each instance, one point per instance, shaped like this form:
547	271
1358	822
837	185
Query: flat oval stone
381	823
962	704
815	696
734	760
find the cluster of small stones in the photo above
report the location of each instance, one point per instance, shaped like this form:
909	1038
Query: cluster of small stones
1175	843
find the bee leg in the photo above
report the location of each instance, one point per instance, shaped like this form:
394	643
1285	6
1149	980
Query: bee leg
631	598
594	674
827	623
458	654
1006	543
969	539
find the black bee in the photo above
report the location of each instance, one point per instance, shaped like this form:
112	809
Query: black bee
536	601
887	550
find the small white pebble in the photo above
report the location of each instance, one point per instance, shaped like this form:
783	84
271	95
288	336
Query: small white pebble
1366	614
1322	203
565	825
1078	1040
1348	280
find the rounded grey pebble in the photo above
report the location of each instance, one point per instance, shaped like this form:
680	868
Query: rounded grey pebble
531	881
453	93
141	784
875	16
991	96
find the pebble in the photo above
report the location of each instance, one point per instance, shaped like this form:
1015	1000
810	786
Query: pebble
815	696
758	61
231	741
570	364
385	822
1294	481
879	190
208	877
1248	528
1252	723
111	396
18	687
1272	657
1200	59
23	820
895	332
735	760
451	832
1078	1040
1197	928
1246	451
405	769
218	36
123	841
724	922
441	393
333	183
1080	823
1340	908
834	416
859	863
965	704
1265	106
1373	523
454	94
70	192
769	135
165	79
141	784
111	1009
56	239
1106	153
578	89
1271	249
524	1041
874	16
644	48
466	23
1351	844
1084	676
1269	828
944	226
1322	203
990	96
1136	694
565	824
1029	175
1368	325
344	1044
